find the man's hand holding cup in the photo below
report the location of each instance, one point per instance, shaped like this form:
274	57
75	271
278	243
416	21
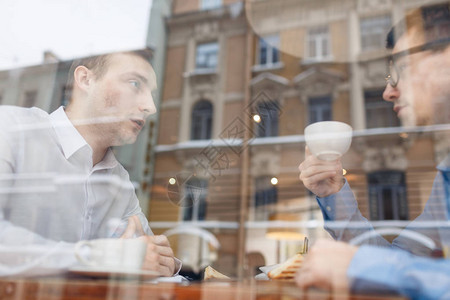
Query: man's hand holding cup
321	171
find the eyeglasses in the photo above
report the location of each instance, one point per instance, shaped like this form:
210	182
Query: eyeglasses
394	71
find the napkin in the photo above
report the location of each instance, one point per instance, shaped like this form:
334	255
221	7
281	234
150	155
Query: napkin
174	279
265	270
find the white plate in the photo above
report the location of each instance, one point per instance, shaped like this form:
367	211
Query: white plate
102	272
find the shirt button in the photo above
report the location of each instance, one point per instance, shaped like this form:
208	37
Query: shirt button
328	208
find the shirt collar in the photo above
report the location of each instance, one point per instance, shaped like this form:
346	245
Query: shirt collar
71	140
444	166
69	137
109	161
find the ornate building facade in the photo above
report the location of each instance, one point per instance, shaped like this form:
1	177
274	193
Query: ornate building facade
242	81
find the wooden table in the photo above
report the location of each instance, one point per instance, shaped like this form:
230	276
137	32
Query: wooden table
71	288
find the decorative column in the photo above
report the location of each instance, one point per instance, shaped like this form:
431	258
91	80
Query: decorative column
186	100
357	110
220	91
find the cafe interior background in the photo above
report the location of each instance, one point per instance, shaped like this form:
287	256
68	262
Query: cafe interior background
216	169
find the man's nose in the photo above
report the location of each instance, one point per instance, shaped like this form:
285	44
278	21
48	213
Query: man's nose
147	105
391	93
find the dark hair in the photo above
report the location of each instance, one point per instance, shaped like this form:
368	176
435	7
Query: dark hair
434	22
99	64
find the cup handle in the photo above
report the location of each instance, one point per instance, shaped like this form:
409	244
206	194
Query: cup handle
79	256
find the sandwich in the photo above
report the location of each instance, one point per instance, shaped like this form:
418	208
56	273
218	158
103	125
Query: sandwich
211	273
287	270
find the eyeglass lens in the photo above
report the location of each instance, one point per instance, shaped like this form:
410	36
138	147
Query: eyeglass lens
394	75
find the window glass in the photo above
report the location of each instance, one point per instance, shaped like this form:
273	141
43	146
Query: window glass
387	196
210	4
379	113
201	120
265	196
318	41
269	114
207	56
30	98
195	195
66	94
373	32
268	50
207	145
319	109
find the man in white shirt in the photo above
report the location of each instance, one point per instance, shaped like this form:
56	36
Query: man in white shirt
59	179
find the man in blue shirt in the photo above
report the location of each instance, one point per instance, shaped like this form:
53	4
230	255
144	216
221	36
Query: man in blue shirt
419	87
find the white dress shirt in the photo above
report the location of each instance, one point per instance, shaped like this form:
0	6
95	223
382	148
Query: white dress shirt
50	194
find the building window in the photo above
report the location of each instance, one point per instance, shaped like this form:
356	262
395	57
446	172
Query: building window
195	194
30	98
265	192
207	56
66	95
268	53
210	4
379	113
269	112
319	44
319	109
373	32
201	120
387	196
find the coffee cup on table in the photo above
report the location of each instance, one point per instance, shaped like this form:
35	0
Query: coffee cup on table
328	140
124	254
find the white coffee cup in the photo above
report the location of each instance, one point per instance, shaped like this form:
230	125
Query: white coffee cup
112	253
328	140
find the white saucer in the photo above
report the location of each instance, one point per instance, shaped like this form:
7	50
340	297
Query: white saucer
103	272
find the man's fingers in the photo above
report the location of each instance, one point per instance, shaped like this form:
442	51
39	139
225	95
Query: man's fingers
159	255
165	251
166	261
318	170
307	181
303	280
139	228
165	271
165	265
134	228
158	244
161	240
130	230
154	265
312	161
307	152
310	278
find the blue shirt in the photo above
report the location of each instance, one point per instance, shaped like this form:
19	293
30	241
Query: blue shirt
375	269
431	230
389	269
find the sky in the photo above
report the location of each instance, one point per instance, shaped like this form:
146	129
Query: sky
69	28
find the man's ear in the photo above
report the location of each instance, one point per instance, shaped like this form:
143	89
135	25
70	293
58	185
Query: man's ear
82	78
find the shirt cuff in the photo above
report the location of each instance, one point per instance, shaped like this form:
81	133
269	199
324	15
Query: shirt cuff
178	265
328	204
